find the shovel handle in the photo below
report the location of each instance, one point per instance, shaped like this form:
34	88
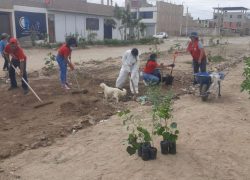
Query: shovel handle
27	84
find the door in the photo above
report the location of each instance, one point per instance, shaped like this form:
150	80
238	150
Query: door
51	24
107	31
5	23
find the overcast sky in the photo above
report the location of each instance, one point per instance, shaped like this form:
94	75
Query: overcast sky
198	8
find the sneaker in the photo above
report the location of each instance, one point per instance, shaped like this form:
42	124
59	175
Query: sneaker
25	91
146	84
66	87
12	88
68	84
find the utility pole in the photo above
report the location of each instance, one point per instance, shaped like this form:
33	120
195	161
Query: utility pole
218	15
187	23
181	19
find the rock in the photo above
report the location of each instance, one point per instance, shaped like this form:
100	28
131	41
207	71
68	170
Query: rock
34	74
5	154
1	170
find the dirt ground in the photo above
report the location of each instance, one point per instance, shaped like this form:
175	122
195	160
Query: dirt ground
80	137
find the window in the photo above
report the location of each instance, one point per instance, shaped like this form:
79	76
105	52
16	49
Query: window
146	15
231	16
238	24
239	16
92	24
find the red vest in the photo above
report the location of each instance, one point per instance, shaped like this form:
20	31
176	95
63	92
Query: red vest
193	48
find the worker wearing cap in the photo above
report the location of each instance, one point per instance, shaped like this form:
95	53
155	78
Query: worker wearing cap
197	51
18	59
3	43
130	67
64	59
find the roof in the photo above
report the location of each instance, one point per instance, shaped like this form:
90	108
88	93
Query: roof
71	6
230	8
79	6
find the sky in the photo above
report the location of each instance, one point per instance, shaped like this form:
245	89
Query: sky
198	8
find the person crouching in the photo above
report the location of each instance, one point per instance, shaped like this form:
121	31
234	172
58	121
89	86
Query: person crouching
18	59
151	72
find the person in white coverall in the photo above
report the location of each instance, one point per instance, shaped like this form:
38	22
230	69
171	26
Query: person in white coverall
130	67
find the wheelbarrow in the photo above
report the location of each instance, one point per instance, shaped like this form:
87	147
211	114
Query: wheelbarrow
206	80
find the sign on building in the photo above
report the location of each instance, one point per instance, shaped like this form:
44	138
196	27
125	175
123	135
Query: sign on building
28	23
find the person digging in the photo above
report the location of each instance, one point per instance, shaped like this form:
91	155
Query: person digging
129	69
18	59
63	59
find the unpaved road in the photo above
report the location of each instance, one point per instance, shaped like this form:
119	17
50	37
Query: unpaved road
99	53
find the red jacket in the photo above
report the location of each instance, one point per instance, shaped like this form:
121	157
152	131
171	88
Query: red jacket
193	48
64	51
150	67
17	54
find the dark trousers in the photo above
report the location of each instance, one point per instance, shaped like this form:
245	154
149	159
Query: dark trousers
12	74
202	67
6	64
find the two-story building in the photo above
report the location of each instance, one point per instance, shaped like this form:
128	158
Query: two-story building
232	19
163	17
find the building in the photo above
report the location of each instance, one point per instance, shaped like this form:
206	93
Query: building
56	18
233	19
206	23
163	17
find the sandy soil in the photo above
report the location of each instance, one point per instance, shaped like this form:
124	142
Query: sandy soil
213	144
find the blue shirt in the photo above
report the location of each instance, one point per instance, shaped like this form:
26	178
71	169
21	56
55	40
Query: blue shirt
3	44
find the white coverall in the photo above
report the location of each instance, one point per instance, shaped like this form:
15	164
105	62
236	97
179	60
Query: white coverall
130	64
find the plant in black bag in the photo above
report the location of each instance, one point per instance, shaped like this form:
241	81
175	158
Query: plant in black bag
139	139
164	127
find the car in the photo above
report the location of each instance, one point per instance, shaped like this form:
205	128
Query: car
161	35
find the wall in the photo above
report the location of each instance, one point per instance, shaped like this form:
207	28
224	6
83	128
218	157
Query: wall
150	23
169	18
68	23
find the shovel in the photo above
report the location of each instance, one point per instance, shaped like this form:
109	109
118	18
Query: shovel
79	91
133	86
169	79
42	103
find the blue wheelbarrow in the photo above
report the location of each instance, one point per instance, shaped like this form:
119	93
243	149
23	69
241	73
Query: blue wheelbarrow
206	79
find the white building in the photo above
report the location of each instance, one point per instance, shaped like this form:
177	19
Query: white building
56	18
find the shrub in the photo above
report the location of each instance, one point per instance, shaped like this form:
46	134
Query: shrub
245	86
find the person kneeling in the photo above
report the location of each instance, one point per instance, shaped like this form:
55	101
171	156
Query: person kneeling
151	72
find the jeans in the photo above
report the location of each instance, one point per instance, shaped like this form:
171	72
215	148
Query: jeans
63	69
153	78
12	74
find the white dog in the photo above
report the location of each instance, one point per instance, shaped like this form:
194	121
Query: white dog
115	92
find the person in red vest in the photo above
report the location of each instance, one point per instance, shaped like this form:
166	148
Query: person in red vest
64	59
18	59
198	54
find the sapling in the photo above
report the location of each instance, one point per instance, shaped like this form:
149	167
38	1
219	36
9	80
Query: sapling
139	138
245	86
49	62
162	117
